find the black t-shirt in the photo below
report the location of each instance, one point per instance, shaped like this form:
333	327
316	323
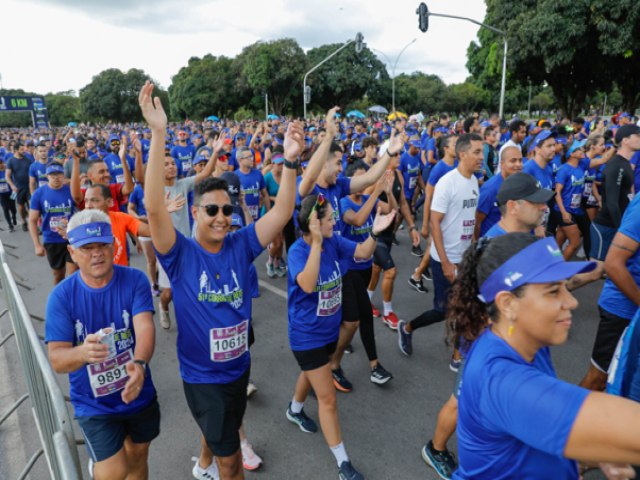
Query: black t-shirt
396	190
617	181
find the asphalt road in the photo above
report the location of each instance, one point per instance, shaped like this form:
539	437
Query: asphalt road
384	428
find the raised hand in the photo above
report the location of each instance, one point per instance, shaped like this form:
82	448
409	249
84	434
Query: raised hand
314	228
382	221
293	141
219	143
330	122
396	142
152	109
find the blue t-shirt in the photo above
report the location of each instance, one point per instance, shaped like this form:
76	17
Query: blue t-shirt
514	417
572	180
439	170
137	198
555	164
333	194
314	318
38	171
251	184
358	234
487	203
410	169
54	206
184	158
212	299
115	167
5	189
146	146
611	298
114	305
635	160
495	231
431	147
543	176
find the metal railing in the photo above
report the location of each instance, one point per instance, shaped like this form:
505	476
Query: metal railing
47	400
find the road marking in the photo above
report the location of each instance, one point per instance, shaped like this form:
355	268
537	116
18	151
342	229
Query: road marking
271	288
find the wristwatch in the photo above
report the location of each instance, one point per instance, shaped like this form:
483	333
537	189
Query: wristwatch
293	165
141	362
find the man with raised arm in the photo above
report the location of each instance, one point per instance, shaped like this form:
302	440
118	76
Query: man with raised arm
210	279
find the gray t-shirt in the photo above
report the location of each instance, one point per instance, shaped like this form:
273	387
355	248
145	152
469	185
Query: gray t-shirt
68	167
180	218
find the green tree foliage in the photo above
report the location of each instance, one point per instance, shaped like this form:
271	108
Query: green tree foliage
113	95
275	68
63	107
347	76
206	86
465	97
420	92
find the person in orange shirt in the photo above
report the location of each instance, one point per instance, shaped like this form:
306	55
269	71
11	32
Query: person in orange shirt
99	197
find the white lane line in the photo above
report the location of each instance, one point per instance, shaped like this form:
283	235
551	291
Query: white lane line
271	288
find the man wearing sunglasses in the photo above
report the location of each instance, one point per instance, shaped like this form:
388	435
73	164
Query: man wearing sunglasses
183	153
211	285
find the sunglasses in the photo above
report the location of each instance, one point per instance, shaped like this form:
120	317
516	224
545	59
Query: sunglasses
213	209
319	203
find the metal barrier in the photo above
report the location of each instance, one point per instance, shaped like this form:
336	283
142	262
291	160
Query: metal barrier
47	400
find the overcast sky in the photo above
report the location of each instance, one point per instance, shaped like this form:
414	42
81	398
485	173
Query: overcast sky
57	45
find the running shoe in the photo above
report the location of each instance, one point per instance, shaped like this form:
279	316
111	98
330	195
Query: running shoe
375	311
404	339
305	423
394	240
281	271
347	472
251	388
379	375
391	320
340	381
11	228
454	365
442	462
417	285
271	270
426	275
349	349
250	460
209	473
25	227
165	319
417	251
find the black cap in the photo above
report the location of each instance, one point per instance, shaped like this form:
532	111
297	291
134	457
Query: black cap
522	186
626	131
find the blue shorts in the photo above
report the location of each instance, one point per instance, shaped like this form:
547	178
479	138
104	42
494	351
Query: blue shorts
104	434
601	238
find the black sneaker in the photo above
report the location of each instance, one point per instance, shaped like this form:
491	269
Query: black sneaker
417	251
426	275
379	375
340	381
11	229
301	419
25	227
404	339
394	240
349	349
417	285
442	462
347	472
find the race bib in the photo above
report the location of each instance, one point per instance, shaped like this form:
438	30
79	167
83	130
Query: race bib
109	376
576	198
412	182
587	189
329	301
56	222
254	210
120	178
229	343
4	187
186	166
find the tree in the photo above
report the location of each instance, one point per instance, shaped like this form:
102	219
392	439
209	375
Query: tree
420	92
204	87
465	98
63	107
275	68
113	95
344	78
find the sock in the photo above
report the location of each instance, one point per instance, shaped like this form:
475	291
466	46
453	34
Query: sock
296	407
433	449
270	261
340	453
387	307
370	293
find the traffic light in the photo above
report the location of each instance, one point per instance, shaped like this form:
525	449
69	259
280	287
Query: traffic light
307	94
359	42
423	17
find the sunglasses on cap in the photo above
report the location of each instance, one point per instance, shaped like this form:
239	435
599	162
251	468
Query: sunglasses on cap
319	203
115	142
212	209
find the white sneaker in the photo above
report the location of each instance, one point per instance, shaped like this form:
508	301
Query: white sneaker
250	460
251	388
209	473
165	319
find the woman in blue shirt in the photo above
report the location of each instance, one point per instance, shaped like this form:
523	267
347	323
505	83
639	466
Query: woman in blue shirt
317	262
516	419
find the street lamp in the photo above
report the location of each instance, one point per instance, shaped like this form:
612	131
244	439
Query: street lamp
306	92
423	13
393	72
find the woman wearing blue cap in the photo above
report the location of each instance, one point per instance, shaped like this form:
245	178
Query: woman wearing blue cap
516	419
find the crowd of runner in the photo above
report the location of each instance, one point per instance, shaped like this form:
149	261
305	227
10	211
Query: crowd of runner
500	209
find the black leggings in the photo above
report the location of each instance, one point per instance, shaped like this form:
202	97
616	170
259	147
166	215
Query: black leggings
358	307
8	208
584	225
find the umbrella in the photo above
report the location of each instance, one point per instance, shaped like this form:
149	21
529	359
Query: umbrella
378	109
395	115
356	113
272	116
213	118
416	117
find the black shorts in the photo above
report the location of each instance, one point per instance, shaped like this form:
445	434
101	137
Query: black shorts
316	357
104	434
23	196
355	300
610	330
58	255
382	254
218	409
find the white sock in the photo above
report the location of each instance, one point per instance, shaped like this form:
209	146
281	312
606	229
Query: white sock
370	293
296	407
340	453
387	307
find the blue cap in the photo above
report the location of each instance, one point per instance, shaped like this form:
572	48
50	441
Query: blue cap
277	159
442	130
562	140
541	137
236	220
624	115
54	168
415	143
575	146
96	232
357	147
486	123
540	262
200	159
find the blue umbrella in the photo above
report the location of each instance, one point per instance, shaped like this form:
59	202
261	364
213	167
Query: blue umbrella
272	116
213	118
356	113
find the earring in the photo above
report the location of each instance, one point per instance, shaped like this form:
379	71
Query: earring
510	330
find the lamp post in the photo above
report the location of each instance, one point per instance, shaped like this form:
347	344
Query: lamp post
424	11
393	72
306	98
